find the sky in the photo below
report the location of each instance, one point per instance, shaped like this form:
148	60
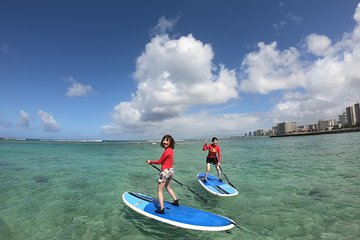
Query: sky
140	69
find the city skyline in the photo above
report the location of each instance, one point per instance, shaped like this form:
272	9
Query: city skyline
322	124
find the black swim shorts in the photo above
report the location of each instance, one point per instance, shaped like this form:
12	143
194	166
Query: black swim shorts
212	160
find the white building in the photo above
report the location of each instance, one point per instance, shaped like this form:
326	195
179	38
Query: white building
286	127
324	125
313	127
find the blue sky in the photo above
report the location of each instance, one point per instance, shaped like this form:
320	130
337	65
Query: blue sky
141	69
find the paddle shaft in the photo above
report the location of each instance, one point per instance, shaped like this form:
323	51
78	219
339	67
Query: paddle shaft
227	178
202	199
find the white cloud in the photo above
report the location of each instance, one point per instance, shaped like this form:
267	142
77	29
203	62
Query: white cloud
173	75
318	82
332	79
165	25
24	119
280	24
319	45
49	123
77	89
290	18
270	69
294	18
357	14
188	125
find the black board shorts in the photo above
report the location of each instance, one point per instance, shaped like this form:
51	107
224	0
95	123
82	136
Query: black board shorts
212	160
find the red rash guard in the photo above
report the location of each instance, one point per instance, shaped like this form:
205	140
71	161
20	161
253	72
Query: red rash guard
166	160
213	150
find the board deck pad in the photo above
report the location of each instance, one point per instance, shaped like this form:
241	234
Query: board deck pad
214	186
180	216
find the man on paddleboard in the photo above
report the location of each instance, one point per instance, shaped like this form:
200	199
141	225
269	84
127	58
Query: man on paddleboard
213	157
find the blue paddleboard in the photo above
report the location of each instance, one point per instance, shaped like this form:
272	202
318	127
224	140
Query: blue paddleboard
214	186
180	216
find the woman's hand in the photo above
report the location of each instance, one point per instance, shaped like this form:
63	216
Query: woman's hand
148	161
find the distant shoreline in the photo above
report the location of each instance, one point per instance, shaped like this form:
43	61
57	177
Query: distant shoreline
342	130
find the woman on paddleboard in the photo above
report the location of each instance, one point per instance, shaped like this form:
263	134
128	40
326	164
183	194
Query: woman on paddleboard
213	157
167	172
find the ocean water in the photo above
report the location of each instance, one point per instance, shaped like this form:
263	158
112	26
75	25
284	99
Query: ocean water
289	188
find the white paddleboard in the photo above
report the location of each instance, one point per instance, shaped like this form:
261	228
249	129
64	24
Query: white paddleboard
179	216
215	186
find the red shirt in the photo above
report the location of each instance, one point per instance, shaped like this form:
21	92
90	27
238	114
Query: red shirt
213	150
166	160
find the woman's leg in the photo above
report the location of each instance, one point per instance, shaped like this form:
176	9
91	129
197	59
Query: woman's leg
169	189
207	170
218	171
160	194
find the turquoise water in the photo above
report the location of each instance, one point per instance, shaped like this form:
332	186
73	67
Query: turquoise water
290	188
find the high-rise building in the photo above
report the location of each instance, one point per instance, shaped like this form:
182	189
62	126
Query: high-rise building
357	112
343	119
350	112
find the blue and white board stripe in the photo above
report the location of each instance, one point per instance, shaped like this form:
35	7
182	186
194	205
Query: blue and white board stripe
179	216
214	186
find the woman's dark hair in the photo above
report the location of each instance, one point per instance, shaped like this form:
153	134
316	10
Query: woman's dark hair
171	139
214	138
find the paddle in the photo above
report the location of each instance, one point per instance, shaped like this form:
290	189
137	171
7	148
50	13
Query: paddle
227	178
202	199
